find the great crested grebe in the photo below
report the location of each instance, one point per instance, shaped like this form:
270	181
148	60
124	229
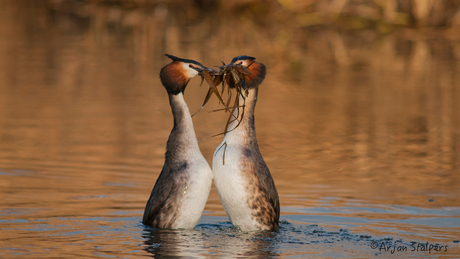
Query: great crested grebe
182	189
243	181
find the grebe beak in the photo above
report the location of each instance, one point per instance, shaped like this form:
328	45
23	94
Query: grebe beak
200	70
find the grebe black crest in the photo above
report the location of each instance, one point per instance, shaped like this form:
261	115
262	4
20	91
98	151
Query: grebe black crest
243	182
182	189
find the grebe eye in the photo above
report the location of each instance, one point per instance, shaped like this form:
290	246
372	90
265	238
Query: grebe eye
190	66
241	63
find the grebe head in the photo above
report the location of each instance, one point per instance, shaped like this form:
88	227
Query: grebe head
258	70
176	75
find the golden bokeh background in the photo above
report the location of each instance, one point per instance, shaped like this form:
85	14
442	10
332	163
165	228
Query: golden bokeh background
361	105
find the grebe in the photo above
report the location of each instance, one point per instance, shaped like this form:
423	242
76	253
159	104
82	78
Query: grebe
243	181
182	189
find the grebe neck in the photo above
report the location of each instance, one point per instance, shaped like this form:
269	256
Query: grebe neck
182	137
246	127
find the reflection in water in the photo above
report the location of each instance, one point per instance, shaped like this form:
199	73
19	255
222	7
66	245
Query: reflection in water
211	238
360	130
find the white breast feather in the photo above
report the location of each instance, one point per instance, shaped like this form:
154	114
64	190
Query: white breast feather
231	183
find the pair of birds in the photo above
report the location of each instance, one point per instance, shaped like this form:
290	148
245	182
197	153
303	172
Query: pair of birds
244	184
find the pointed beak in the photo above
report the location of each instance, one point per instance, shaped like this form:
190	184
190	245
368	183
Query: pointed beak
202	69
199	69
232	65
236	66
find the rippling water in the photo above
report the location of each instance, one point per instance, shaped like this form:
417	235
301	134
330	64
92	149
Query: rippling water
361	133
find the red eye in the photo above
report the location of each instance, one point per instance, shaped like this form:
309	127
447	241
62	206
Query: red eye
190	66
241	62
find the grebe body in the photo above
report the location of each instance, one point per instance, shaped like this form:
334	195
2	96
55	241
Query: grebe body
182	189
241	176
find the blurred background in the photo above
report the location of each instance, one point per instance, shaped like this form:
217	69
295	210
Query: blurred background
358	118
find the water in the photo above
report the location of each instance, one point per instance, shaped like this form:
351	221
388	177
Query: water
360	132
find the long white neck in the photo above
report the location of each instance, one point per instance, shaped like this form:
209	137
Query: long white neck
246	128
182	137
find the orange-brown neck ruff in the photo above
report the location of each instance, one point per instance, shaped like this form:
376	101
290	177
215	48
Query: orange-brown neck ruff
174	78
258	71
